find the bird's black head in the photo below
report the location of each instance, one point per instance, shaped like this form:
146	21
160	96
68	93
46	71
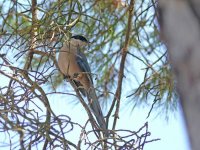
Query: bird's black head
80	37
79	40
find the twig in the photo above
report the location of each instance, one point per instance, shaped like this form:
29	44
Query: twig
122	64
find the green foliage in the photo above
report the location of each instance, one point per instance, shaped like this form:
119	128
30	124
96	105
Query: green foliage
30	40
104	24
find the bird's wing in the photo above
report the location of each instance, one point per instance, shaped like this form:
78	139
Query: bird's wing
83	64
92	97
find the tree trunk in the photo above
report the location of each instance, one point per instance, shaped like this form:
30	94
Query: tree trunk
180	28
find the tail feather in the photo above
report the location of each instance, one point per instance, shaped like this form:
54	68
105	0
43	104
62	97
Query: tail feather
95	106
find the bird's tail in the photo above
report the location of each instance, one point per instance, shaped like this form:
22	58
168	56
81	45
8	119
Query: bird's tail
95	106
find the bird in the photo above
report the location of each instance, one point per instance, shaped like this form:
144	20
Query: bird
73	64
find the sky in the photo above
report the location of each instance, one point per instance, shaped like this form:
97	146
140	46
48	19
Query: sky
171	132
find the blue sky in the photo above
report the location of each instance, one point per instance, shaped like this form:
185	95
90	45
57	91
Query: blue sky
172	132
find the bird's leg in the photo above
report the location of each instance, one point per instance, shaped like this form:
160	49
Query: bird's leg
75	75
66	77
78	76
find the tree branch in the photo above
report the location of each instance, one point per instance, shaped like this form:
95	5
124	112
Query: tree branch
122	63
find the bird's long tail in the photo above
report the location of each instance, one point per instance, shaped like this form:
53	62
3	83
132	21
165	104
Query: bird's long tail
95	106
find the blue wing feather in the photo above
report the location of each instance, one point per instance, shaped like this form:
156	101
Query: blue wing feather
83	64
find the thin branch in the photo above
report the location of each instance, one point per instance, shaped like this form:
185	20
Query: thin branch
33	34
122	63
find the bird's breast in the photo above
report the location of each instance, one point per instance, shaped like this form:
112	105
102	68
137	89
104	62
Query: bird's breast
69	67
67	63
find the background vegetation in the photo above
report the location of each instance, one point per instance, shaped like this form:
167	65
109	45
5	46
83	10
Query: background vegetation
125	50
